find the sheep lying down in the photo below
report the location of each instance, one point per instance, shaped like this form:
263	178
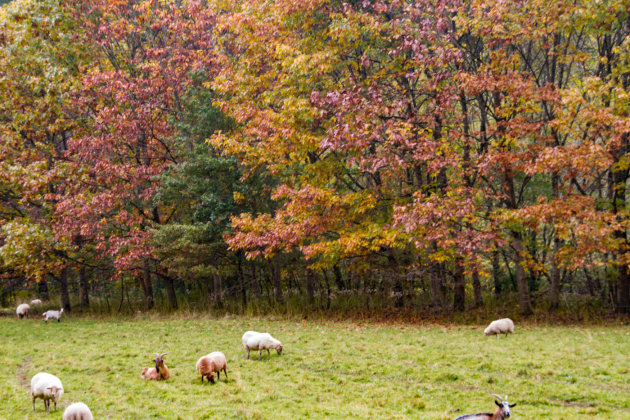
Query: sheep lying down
253	340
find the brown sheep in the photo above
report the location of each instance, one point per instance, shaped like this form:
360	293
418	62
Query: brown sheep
159	372
213	362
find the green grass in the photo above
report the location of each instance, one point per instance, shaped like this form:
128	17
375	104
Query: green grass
327	370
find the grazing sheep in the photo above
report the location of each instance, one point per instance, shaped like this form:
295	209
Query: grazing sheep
213	362
36	302
53	315
78	411
502	411
47	387
22	310
159	372
500	326
253	340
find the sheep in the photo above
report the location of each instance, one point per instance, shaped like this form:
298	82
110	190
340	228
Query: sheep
502	411
159	372
78	411
47	387
500	326
213	362
253	340
22	310
36	302
53	315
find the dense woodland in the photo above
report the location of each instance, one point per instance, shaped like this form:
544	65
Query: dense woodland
435	155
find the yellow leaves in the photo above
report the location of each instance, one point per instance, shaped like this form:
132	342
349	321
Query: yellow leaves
238	197
26	246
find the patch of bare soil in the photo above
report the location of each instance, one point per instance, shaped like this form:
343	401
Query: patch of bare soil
20	373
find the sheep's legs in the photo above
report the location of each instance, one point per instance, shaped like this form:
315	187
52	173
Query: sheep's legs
218	375
55	401
260	354
201	378
47	405
247	354
268	354
33	402
225	371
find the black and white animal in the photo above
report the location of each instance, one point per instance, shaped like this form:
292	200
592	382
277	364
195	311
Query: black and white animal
502	411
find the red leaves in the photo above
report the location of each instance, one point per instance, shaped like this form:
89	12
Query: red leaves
131	100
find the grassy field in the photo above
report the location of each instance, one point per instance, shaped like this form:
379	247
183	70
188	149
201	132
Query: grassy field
327	369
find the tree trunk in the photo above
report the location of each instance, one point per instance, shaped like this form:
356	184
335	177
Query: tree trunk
254	282
63	290
327	288
241	279
459	293
338	278
310	285
623	290
619	204
554	290
436	285
43	289
217	290
277	283
83	288
170	291
477	289
399	296
147	286
521	279
496	272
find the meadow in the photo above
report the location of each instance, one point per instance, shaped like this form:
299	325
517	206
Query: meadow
327	370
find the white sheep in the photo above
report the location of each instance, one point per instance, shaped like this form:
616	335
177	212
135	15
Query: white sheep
36	302
22	310
78	411
210	363
253	340
47	387
500	326
53	315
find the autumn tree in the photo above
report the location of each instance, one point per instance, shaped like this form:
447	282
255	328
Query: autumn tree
40	62
127	139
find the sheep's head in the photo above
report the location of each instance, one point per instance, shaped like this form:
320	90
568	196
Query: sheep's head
503	405
54	391
279	349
